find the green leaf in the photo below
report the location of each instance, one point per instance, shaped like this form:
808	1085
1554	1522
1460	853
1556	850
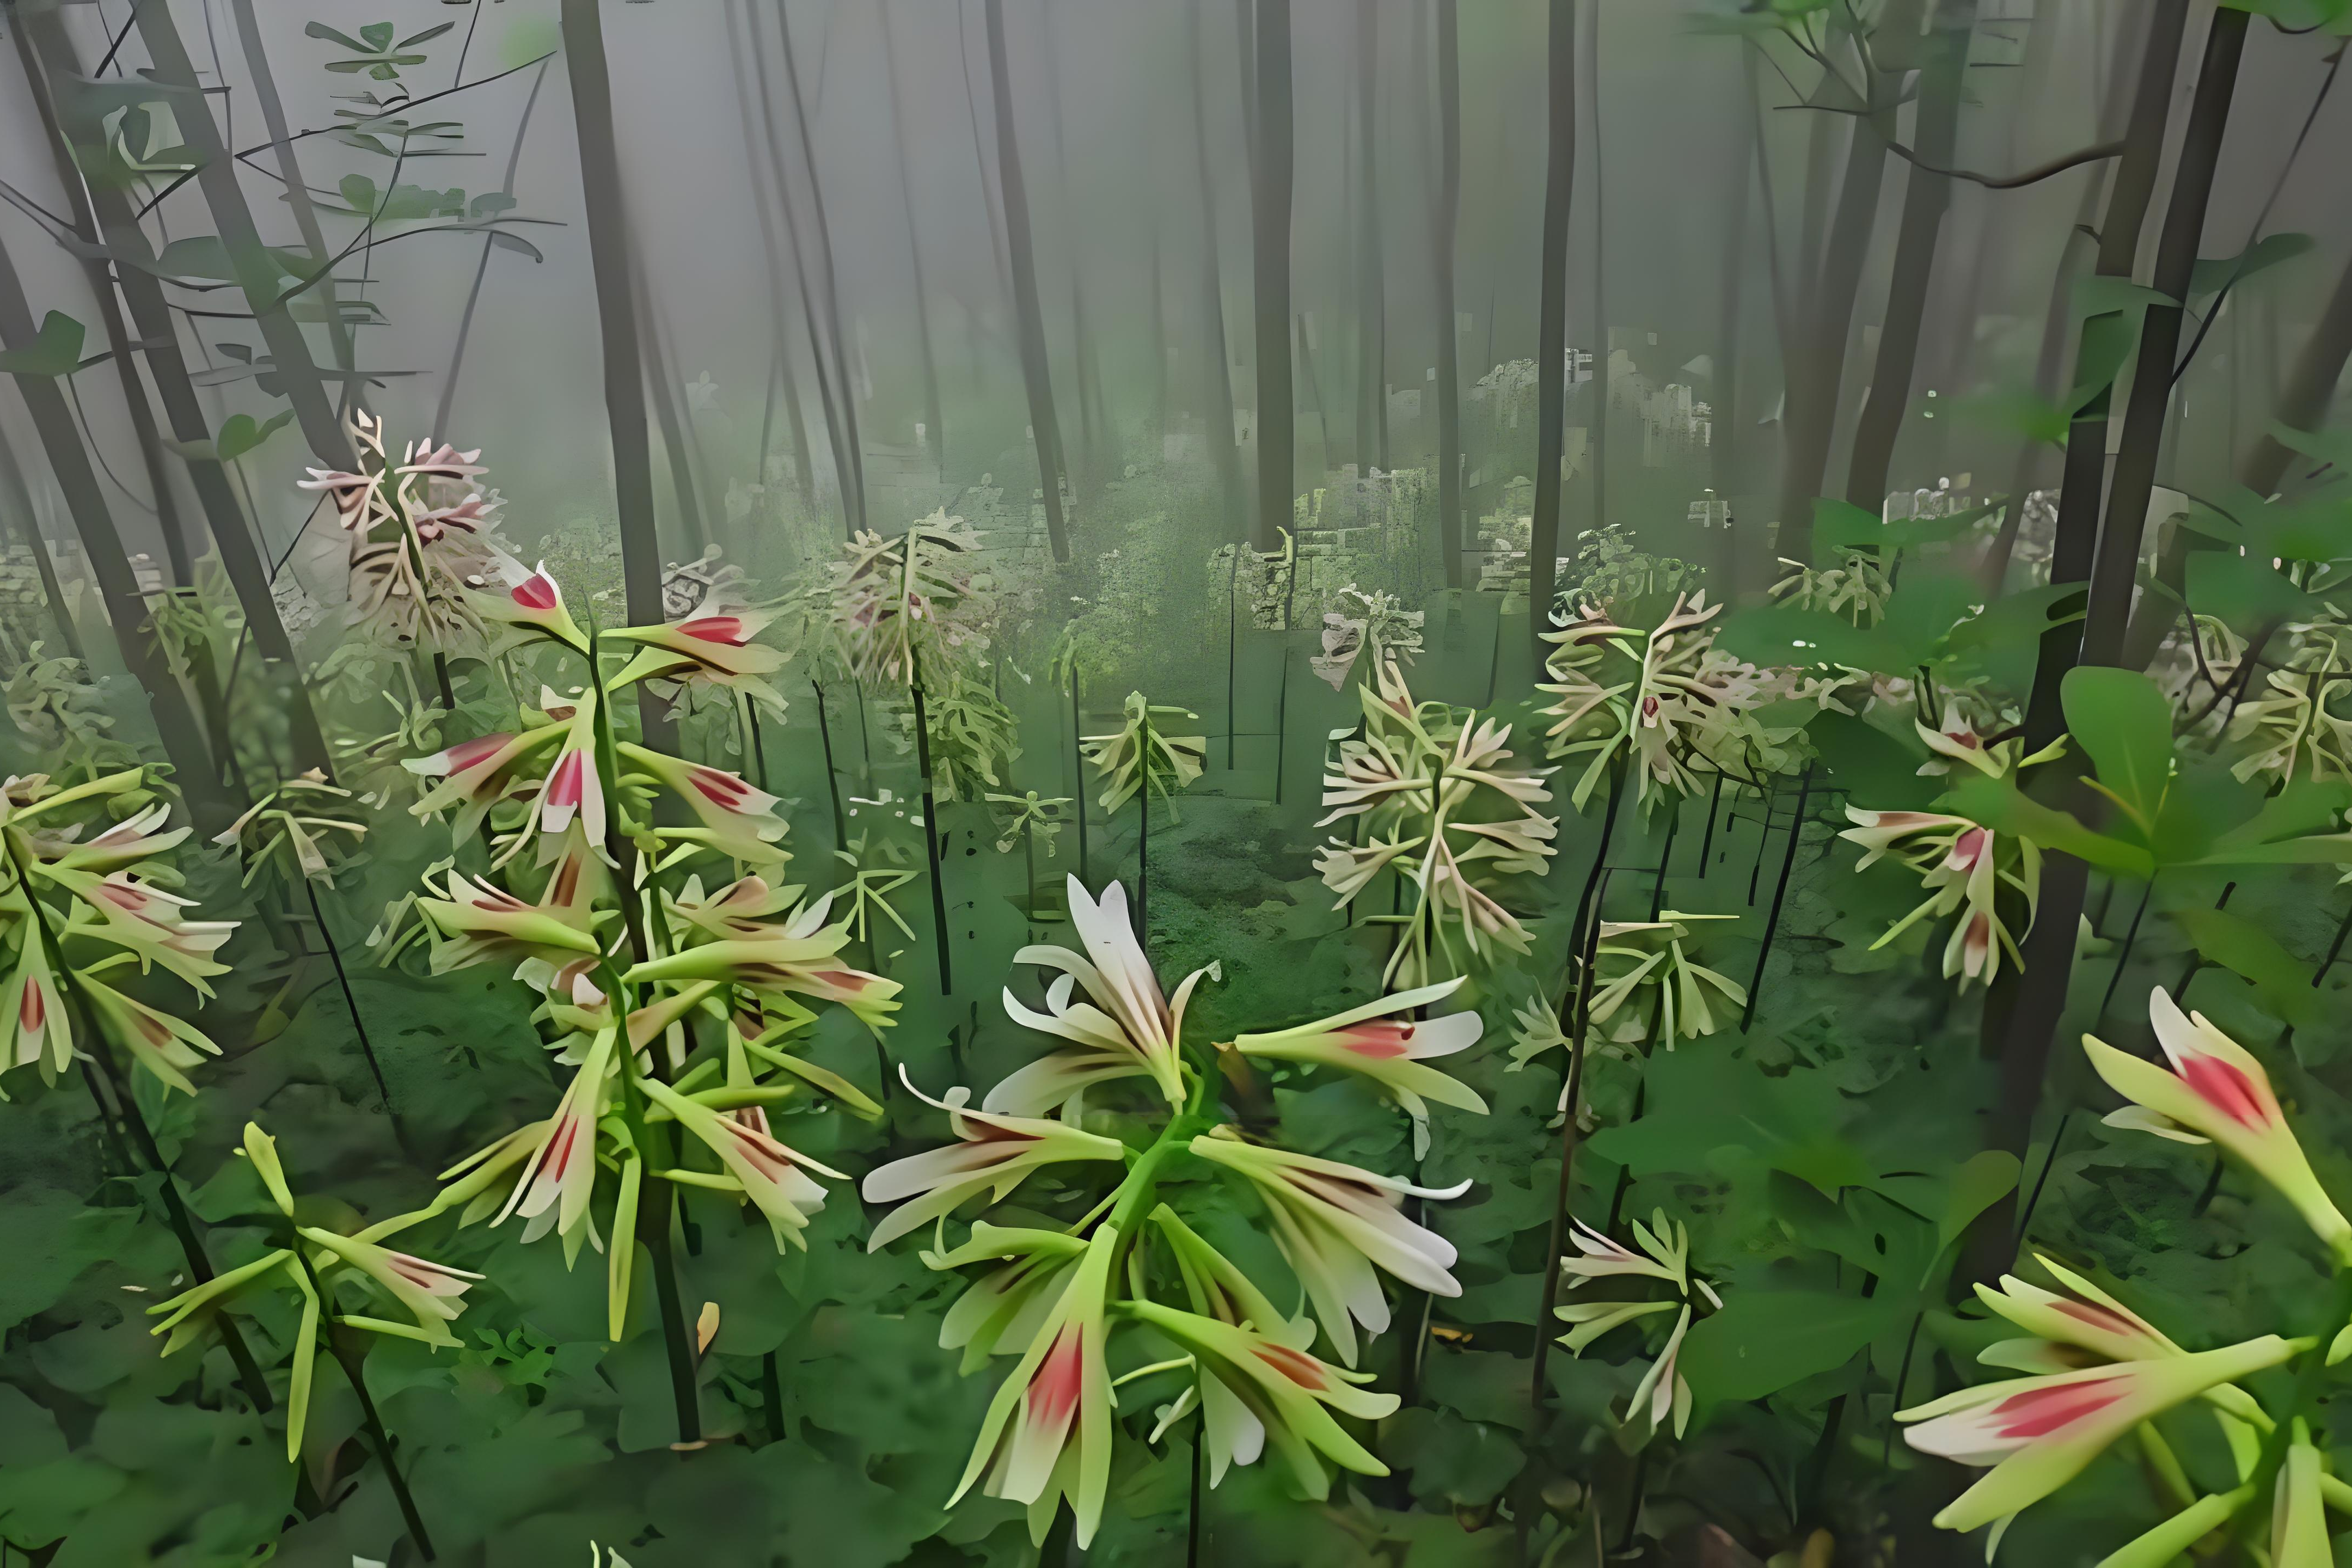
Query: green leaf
414	40
2301	825
1764	1340
321	30
1874	767
1983	1180
2016	411
2124	724
2280	980
2243	590
2000	805
2210	276
2107	340
1841	525
2096	296
378	34
239	434
55	351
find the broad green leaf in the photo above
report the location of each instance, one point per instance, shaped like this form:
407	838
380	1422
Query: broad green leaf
2096	296
1983	1180
1841	525
2243	590
2018	411
1875	769
2000	805
2281	980
2263	254
2125	726
239	434
55	351
1764	1340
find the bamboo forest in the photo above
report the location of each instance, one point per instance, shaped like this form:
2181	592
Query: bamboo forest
1000	783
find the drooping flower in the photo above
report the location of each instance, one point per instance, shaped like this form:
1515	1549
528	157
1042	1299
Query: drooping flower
1335	1223
715	645
1964	867
1391	1051
773	1176
799	957
476	774
2039	1432
1048	1432
2076	1325
531	598
999	1313
1651	959
430	1291
993	1155
559	1171
739	819
2217	1091
1274	1394
1125	1027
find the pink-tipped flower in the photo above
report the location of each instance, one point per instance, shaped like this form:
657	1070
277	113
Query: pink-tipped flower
1964	868
357	497
122	846
714	645
1125	1017
479	921
1335	1222
2217	1091
559	1172
430	1291
773	1176
1049	1430
2074	1326
156	1040
2039	1432
1255	1392
999	1312
529	597
146	921
739	819
32	1012
1390	1049
800	958
993	1155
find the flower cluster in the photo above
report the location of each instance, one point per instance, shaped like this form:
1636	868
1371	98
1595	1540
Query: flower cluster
1130	1265
420	534
1141	754
1663	1255
77	912
2099	1370
1967	868
1367	628
1439	799
1663	702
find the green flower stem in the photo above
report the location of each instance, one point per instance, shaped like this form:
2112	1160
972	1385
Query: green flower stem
658	1195
2307	1379
175	1208
355	1372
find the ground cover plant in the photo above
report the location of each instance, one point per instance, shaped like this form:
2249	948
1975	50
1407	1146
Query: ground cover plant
807	783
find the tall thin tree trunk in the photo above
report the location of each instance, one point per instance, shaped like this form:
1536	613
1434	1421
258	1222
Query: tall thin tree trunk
1094	424
1450	527
1270	244
1551	323
1245	25
935	427
297	196
1724	393
45	51
616	320
1159	350
1604	352
764	198
482	263
1216	372
661	384
2117	568
1927	196
854	479
2023	1009
257	274
1816	368
835	439
175	720
2301	404
1036	370
1372	317
2050	364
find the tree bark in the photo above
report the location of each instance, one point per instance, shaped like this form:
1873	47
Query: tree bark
1724	439
46	52
257	274
297	196
2301	405
2023	1009
779	237
1602	353
1451	542
852	479
1815	372
935	427
2050	363
661	384
1551	324
1270	184
1927	196
1095	431
1216	371
175	720
1036	370
1371	307
2136	451
616	320
16	498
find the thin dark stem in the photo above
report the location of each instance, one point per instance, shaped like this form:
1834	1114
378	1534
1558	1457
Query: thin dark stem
1078	762
2131	935
832	774
352	1005
355	1372
1193	1512
1706	841
2049	1161
931	838
1143	836
1779	895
